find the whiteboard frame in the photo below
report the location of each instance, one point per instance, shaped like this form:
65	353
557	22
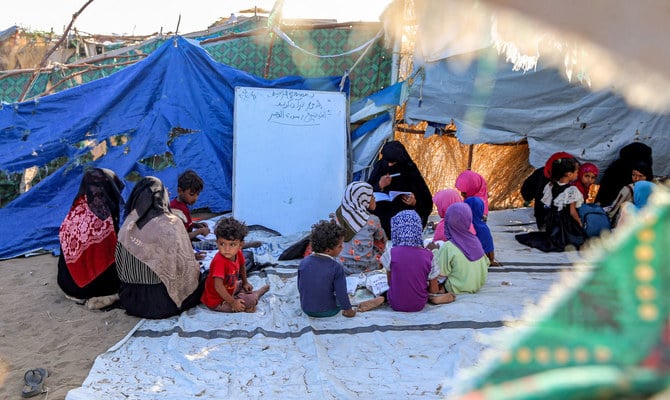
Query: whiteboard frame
290	166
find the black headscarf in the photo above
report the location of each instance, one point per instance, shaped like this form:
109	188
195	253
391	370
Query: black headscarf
395	152
636	152
619	173
644	168
410	180
102	188
149	199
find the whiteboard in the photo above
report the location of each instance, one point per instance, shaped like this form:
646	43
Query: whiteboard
289	156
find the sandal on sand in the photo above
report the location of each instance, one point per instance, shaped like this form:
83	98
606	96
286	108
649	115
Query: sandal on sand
34	382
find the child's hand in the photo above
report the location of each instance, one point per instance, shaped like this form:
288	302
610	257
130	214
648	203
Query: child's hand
349	313
238	305
247	287
200	255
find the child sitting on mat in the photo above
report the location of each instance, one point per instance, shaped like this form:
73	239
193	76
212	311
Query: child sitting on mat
226	287
321	280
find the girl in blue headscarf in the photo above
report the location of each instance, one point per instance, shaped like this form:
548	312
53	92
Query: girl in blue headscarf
641	192
641	171
483	232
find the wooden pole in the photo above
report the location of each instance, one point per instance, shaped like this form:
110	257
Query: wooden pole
43	63
268	61
471	148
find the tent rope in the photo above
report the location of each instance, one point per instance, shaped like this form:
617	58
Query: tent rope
290	42
369	46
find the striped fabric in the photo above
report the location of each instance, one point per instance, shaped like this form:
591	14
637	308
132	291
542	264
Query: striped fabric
132	270
354	208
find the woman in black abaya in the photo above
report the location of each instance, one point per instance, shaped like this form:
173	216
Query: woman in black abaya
619	173
396	171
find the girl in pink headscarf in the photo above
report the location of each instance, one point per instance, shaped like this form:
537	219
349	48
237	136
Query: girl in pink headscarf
470	183
586	177
442	200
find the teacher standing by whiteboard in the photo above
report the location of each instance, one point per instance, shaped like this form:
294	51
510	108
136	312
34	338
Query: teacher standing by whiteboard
396	171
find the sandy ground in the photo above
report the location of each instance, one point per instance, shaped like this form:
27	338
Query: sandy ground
41	328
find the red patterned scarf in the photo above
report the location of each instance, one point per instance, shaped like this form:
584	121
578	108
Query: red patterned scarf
88	242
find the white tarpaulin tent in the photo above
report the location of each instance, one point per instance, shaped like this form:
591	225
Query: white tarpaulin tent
521	93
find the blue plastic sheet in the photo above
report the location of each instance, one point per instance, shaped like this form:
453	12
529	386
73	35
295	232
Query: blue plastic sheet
178	87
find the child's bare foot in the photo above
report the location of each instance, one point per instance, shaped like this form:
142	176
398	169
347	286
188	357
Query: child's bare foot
495	264
96	303
441	290
260	292
349	313
442	298
250	309
370	304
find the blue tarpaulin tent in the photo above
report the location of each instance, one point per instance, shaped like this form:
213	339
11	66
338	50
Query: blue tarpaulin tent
177	105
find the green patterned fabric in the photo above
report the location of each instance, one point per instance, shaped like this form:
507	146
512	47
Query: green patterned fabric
68	76
249	52
608	334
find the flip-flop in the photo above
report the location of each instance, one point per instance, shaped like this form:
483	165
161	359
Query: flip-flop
34	382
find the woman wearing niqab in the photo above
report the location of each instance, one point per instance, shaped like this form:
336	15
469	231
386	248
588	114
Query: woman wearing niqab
396	160
618	174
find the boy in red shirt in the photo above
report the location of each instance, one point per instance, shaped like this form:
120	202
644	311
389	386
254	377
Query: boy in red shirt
189	186
226	286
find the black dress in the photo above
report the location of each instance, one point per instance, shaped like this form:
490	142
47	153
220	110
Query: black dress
561	229
618	173
142	294
105	284
409	180
532	189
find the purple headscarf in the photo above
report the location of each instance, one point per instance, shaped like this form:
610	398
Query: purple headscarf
457	227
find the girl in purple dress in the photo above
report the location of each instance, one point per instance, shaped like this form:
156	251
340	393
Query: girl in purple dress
410	265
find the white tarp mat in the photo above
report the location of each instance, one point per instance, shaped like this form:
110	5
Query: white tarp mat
278	352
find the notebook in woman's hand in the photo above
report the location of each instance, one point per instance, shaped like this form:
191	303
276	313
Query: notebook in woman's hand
381	196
